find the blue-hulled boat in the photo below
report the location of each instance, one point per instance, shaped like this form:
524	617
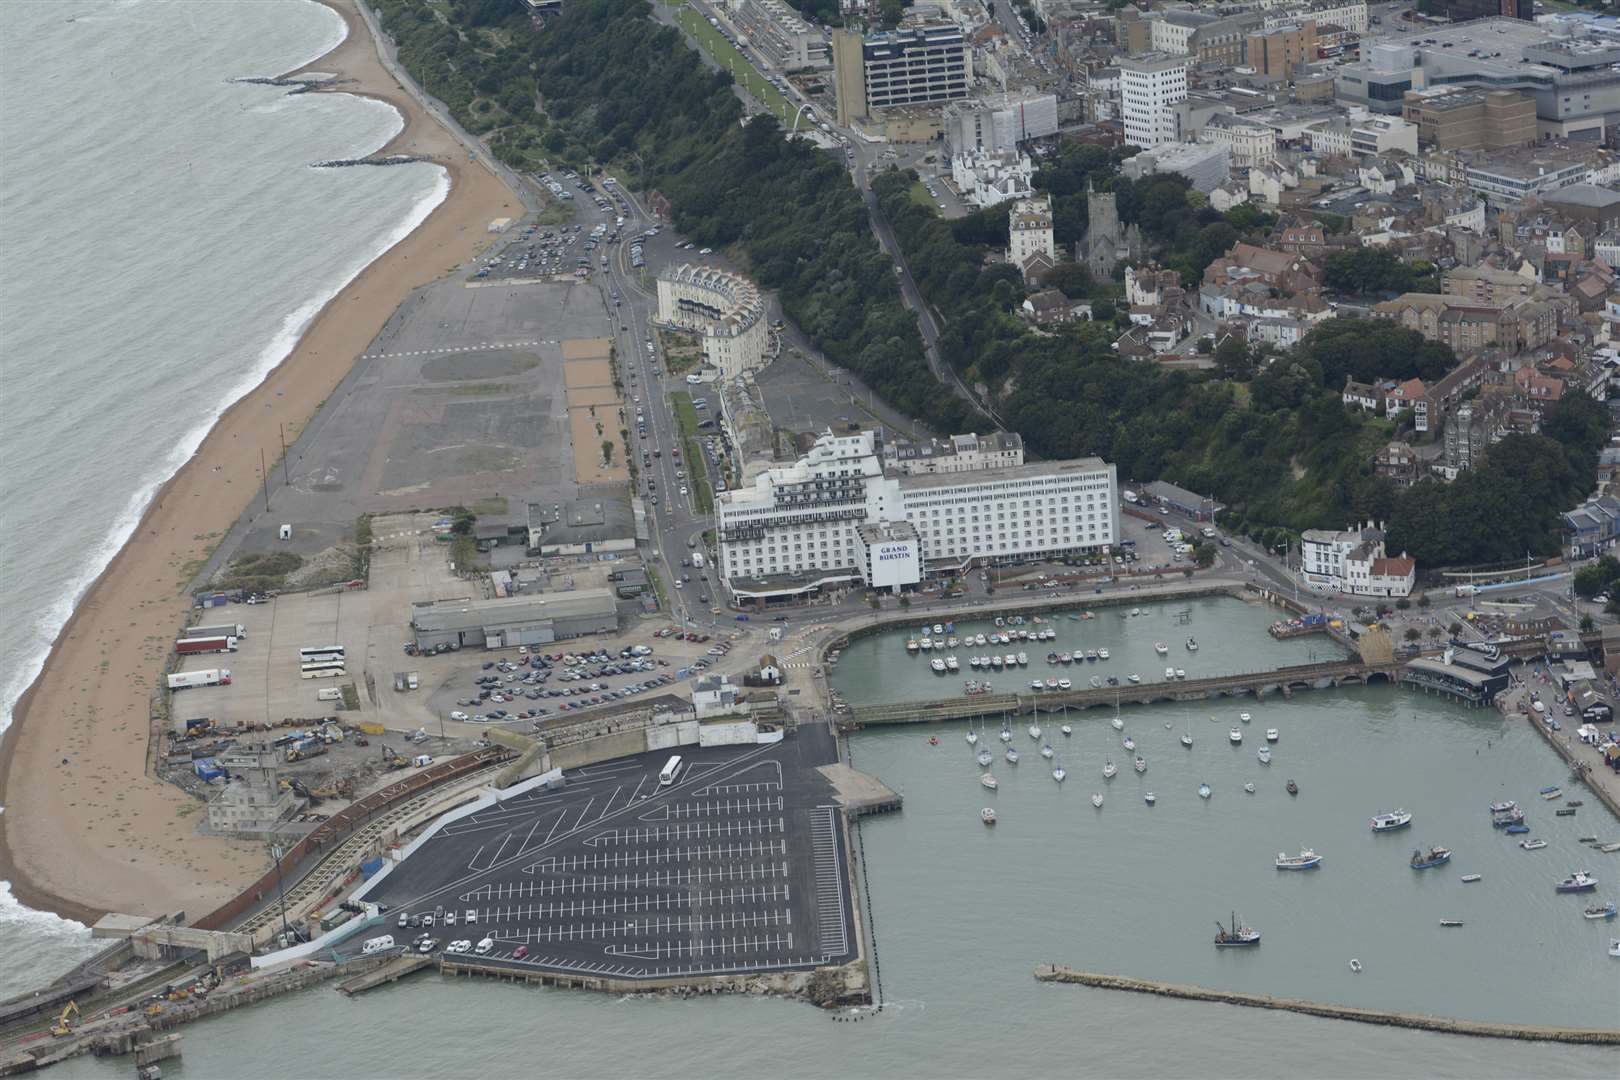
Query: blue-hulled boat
1235	937
1426	860
1389	822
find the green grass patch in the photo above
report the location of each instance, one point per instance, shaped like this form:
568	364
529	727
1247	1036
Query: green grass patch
727	56
260	571
685	415
920	196
494	506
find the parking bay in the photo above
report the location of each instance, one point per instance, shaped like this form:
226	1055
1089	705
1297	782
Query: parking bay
737	867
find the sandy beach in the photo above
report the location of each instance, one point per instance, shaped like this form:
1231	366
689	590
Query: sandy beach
85	829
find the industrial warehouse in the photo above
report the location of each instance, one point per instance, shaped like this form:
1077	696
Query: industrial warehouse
498	624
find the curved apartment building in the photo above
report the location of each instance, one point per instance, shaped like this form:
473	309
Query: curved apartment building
725	308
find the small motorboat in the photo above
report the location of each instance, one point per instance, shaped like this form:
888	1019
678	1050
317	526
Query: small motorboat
1192	644
1180	674
1009	660
1451	922
1067	729
1187	741
1551	793
988	816
1053	684
1305	860
1504	807
988	781
1390	821
984	757
1012	756
1469	879
1102	654
1037	685
1602	911
1236	936
1023	659
1533	845
951	643
1271	734
1203	791
938	629
1006	733
1245	717
1034	731
1140	764
1046	750
1059	773
972	738
1249	787
1097	799
1579	881
1065	658
933	740
1161	648
1609	848
1091	654
1133	678
1169	673
1109	769
1118	724
1096	682
1129	743
1293	788
1051	658
951	664
1426	860
1355	965
1517	830
1149	798
1235	735
938	665
1614	946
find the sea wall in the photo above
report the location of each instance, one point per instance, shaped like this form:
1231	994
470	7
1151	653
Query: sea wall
1423	1022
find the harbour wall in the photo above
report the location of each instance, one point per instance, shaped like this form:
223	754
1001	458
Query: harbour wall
1531	1032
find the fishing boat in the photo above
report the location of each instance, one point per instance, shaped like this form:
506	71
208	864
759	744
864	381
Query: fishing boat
1265	755
1192	644
1293	788
1149	798
1102	654
1011	756
1046	750
938	665
1603	911
1504	807
1427	860
1551	793
988	781
988	816
972	738
1390	821
984	757
1237	936
1059	773
1271	734
1235	735
1471	878
1533	845
1579	881
1140	764
1508	818
1065	684
1451	922
1097	799
1096	682
1109	769
1133	678
1161	648
1307	859
1034	731
911	645
1203	791
1128	742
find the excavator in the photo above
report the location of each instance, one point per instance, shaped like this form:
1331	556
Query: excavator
63	1027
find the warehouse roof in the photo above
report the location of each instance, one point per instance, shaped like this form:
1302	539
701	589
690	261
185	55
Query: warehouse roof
449	615
585	521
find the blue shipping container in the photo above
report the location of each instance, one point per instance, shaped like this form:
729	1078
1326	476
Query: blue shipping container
371	866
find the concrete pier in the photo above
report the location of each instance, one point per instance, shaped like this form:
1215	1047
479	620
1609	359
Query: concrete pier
1485	1029
393	971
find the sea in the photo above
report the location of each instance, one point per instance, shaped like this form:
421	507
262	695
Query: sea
166	242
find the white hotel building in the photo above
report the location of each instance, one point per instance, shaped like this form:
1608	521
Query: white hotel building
810	524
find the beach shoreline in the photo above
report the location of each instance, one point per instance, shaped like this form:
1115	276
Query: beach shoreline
85	829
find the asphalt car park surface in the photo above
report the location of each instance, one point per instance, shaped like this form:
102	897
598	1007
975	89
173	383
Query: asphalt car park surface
537	684
737	866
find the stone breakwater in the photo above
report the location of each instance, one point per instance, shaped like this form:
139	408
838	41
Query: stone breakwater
1531	1032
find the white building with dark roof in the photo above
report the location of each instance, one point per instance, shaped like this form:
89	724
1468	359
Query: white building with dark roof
726	308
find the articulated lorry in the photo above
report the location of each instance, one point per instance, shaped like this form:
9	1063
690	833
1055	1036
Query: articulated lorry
182	680
205	645
235	630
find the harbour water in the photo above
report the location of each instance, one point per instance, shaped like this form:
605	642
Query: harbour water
962	913
166	243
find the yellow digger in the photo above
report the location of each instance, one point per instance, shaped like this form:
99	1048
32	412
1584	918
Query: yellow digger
64	1024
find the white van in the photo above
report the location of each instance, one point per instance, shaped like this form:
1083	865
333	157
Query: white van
378	944
694	379
484	946
471	917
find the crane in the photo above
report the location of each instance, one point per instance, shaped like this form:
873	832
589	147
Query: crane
62	1026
